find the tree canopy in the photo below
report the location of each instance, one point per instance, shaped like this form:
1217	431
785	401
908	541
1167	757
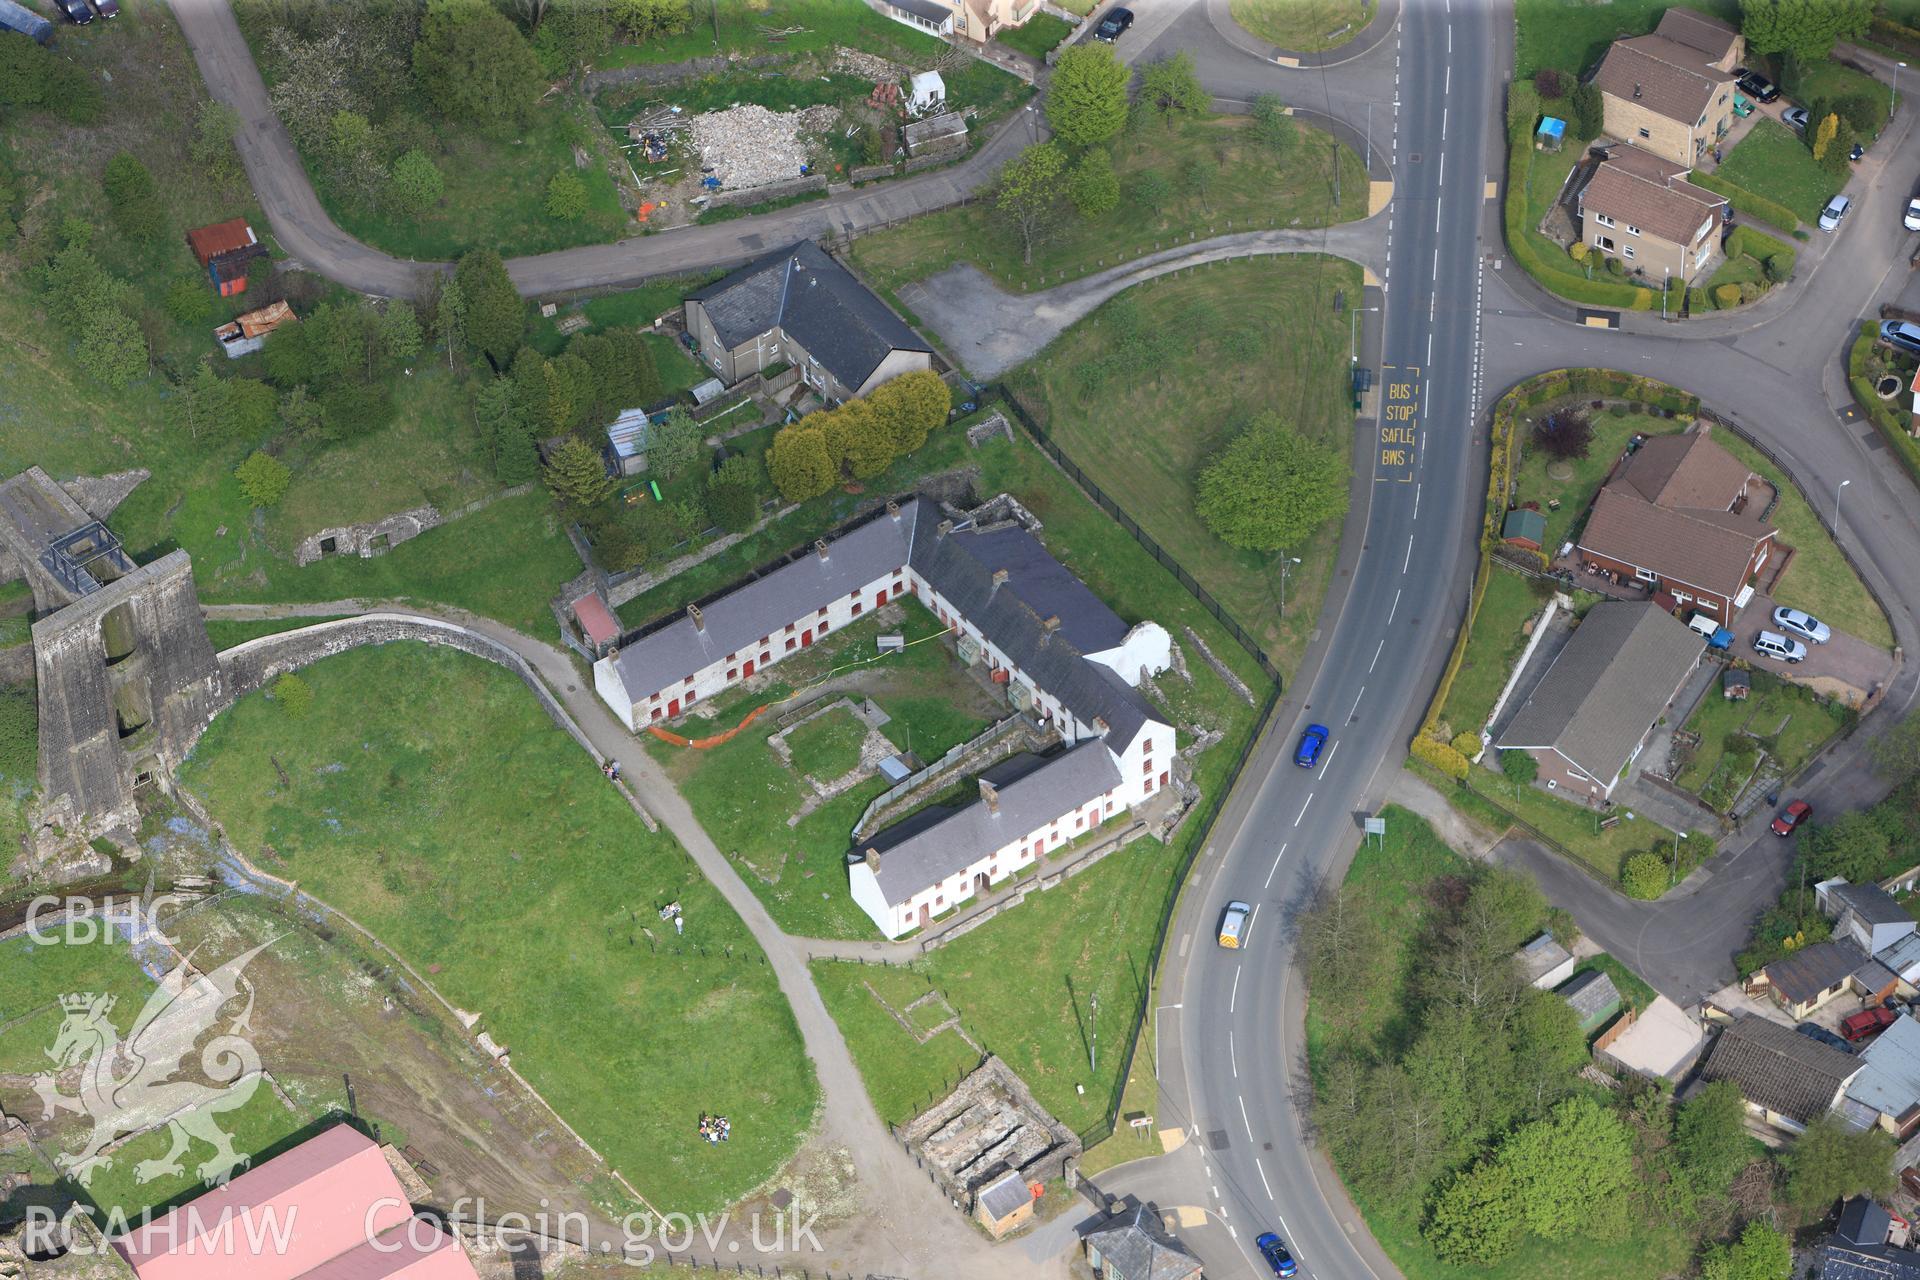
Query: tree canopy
1271	488
1804	28
1031	197
474	65
494	315
1087	95
1172	86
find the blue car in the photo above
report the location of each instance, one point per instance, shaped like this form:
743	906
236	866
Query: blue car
1274	1250
1312	743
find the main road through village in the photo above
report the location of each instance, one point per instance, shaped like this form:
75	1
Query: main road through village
1421	92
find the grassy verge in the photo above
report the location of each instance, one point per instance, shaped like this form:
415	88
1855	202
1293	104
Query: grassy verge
1234	341
1304	26
1215	172
1867	362
1772	162
1037	36
1746	203
1575	828
1495	645
225	634
427	796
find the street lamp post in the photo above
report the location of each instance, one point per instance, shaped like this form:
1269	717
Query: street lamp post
1285	563
1836	507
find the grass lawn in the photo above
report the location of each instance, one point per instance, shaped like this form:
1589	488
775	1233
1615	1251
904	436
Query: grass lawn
1304	26
1771	161
482	845
1571	35
260	1124
743	795
742	26
1245	183
1037	36
1492	650
1231	342
33	978
828	746
1491	800
1790	714
1633	990
901	1072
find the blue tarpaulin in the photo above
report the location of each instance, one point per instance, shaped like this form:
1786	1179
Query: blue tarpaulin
1552	131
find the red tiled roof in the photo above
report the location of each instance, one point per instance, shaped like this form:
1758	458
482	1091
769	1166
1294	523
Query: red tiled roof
1630	191
595	619
222	237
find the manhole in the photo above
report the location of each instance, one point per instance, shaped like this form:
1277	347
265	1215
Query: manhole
782	1198
1217	1139
1414	158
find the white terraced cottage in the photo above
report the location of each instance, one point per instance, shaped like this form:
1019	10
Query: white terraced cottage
1068	660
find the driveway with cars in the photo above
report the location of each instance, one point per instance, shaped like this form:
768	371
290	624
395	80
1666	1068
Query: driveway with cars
1845	660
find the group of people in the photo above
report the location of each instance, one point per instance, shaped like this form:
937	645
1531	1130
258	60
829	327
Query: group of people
715	1128
612	769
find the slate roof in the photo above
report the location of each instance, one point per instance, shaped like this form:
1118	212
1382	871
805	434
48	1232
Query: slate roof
1871	903
1006	1196
1713	38
1541	957
1592	995
1778	1068
1033	792
803	292
1802	976
1135	1250
1661	204
1862	1221
1607	686
1890	1080
1662	75
1902	956
1843	1261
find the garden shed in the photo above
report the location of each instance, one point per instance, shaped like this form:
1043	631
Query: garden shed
1524	527
1551	134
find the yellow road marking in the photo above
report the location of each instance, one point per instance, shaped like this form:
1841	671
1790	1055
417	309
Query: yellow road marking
1379	196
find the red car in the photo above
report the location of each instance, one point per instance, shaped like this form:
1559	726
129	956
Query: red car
1796	813
1866	1024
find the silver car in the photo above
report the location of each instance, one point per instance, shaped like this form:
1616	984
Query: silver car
1835	213
1771	644
1802	624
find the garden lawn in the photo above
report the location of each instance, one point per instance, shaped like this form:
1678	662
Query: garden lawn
742	27
1492	649
1037	36
1771	161
1304	26
1571	36
1225	345
426	795
1799	722
902	1073
1493	800
1534	481
828	746
1247	184
1827	79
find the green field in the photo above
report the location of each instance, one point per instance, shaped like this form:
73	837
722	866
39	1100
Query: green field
432	800
1304	26
1243	182
901	1071
1773	162
34	977
1497	640
828	746
1221	347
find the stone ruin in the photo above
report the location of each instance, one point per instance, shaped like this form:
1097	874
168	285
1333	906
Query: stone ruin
987	1127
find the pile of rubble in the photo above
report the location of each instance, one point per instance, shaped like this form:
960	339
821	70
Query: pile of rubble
750	146
867	66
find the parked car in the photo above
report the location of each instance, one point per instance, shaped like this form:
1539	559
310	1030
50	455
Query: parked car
1802	624
1234	923
1814	1031
1795	118
1866	1024
1771	644
74	11
1114	25
1312	743
1274	1250
1912	221
1836	210
1791	817
106	8
1755	85
1904	334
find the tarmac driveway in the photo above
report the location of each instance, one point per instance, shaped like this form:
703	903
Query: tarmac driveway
1844	660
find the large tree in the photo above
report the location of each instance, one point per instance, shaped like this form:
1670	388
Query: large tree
799	463
1031	198
1172	85
1573	1173
1271	488
577	474
1475	1221
1804	28
1093	186
1831	1161
1710	1136
1087	95
474	65
494	315
1761	1253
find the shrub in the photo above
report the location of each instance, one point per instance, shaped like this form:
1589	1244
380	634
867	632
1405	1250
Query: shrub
1726	296
188	301
416	183
294	695
566	196
19	734
1442	757
1519	767
1616	267
134	198
1467	744
263	479
1644	876
1548	83
1563	434
1578	251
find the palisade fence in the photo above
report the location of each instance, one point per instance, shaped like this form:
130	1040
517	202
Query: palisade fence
1215	802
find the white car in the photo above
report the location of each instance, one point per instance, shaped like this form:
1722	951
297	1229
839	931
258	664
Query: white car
1836	210
1771	644
1802	624
1912	221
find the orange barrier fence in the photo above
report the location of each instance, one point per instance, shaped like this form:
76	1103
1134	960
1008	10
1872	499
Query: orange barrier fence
701	744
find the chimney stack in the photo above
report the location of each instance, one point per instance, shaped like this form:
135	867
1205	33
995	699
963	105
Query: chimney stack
699	619
990	796
945	527
820	547
1100	723
872	860
999	577
893	509
1048	627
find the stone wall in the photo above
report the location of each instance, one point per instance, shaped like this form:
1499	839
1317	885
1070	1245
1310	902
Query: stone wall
768	191
376	537
988	1124
100	495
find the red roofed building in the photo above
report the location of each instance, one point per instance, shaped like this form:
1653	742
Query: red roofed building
225	249
596	623
329	1209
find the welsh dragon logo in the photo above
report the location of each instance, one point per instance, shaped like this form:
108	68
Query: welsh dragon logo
129	1085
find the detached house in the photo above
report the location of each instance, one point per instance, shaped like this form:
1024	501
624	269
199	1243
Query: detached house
1587	719
1639	207
1671	92
799	307
1683	515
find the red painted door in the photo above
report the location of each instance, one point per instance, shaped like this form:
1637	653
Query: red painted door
879	597
746	668
1163	778
673	708
806	638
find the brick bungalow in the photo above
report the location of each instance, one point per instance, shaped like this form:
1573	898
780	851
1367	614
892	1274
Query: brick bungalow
1589	716
1671	92
1683	515
1639	207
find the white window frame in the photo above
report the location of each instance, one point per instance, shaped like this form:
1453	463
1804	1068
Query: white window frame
1603	219
1646	575
1626	251
1632	230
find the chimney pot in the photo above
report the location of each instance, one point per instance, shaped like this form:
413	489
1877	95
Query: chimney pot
1100	723
945	527
820	547
893	509
999	576
699	619
1052	624
990	795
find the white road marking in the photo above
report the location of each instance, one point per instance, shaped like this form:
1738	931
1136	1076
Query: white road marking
1409	559
1243	1116
1296	822
1327	763
1235	993
1430	335
1443	164
1395	609
1356	698
1416	501
1370	666
1443	123
1233	1060
1276	857
1263	1180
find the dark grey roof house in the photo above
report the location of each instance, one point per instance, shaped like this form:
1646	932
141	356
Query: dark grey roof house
1590	714
1864	913
1808	978
1132	1247
798	306
1787	1079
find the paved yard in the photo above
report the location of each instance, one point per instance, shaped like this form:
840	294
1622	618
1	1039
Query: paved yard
1846	666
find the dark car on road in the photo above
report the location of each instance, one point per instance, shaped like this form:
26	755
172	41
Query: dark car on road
1312	743
1791	817
1814	1031
1274	1250
1114	25
1755	85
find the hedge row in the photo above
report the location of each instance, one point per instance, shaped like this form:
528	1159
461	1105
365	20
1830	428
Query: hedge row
1902	37
1758	244
1882	414
1599	293
1746	203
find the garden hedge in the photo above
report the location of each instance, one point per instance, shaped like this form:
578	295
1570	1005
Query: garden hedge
1598	293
